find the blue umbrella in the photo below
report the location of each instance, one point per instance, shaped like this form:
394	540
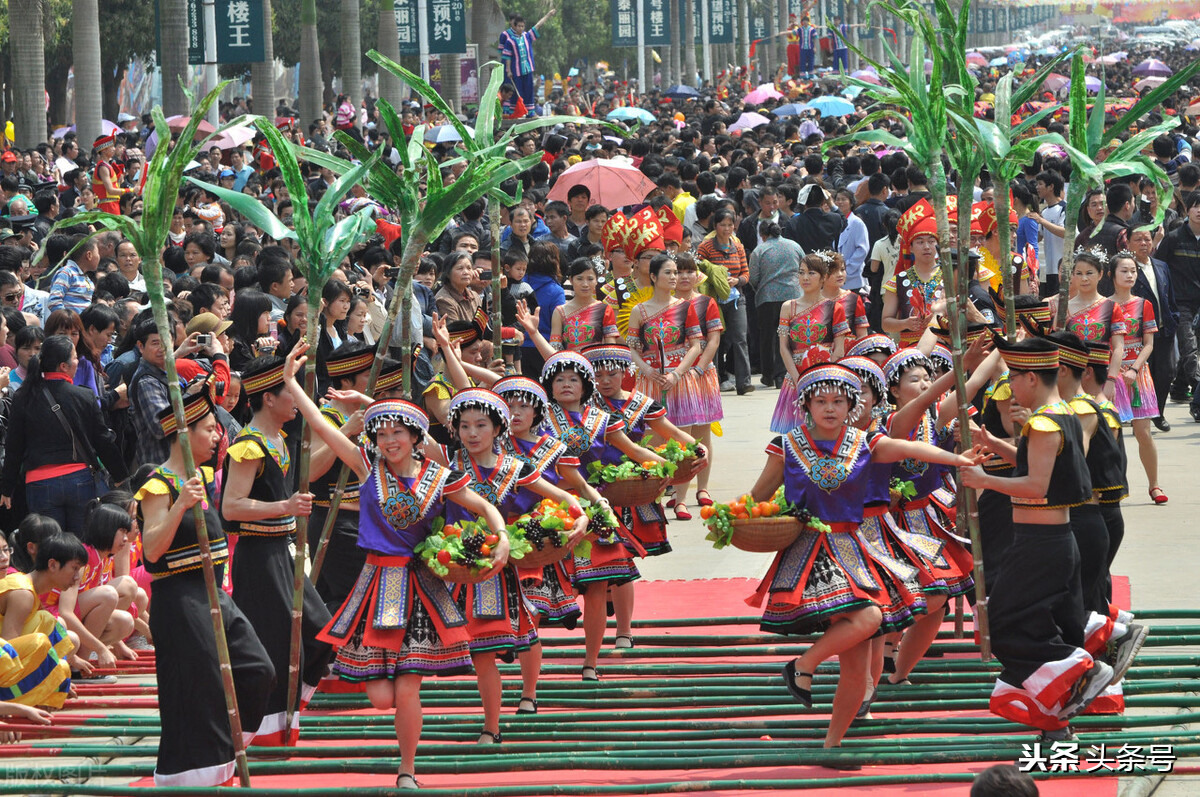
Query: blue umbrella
791	109
630	115
832	106
682	92
1001	61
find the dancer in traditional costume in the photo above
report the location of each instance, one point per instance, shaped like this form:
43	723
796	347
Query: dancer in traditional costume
851	302
588	431
1036	607
708	314
498	616
195	749
812	320
260	506
400	622
1133	392
644	528
827	582
909	296
1092	317
584	319
925	536
548	589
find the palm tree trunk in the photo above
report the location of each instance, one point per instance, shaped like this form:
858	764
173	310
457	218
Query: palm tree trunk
351	52
1007	287
1076	192
954	282
689	43
173	56
89	93
311	85
390	86
28	71
262	74
743	35
452	80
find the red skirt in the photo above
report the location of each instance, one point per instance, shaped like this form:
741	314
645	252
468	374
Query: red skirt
499	619
611	563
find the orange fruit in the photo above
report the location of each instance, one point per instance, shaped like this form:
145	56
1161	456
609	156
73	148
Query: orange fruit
706	512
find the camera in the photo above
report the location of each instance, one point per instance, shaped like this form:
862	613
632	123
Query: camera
361	291
204	339
391	272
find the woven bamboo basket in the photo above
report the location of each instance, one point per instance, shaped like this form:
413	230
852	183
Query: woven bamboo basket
683	470
536	559
632	492
766	534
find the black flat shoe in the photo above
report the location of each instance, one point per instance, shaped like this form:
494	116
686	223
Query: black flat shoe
789	680
864	710
527	706
591	674
487	737
1160	423
406	782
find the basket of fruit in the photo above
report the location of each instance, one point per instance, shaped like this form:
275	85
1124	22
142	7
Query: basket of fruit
462	553
547	530
758	526
630	483
684	457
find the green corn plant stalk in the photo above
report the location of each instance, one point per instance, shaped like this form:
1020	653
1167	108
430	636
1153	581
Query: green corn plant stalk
323	243
424	214
1091	165
164	174
1004	149
921	106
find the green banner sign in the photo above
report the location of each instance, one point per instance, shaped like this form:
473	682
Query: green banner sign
240	35
447	26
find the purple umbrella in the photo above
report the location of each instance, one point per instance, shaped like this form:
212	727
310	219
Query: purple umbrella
1152	66
1092	84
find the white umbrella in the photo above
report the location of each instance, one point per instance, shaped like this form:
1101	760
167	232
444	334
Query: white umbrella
748	121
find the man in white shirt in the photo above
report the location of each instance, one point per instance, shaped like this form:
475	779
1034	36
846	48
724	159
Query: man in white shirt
66	162
1052	219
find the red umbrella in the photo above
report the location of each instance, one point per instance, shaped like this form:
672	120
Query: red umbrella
613	185
177	123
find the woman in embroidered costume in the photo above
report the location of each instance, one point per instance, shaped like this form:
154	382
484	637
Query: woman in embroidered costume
400	622
548	589
812	320
1095	318
195	749
1133	393
260	505
584	319
909	296
665	338
851	302
944	557
708	314
644	528
588	432
826	582
498	616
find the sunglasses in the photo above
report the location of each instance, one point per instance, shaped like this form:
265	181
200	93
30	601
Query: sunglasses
11	298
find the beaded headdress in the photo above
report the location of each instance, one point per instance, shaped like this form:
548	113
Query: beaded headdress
523	388
901	361
569	361
827	379
608	355
869	373
390	412
479	398
871	344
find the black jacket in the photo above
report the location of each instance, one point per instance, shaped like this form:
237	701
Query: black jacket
36	437
1166	314
814	229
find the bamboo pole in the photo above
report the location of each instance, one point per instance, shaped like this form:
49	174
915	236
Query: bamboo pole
955	286
494	220
1076	192
298	560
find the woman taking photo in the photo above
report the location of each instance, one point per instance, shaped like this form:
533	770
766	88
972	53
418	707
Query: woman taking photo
294	324
99	322
335	306
57	450
195	748
251	328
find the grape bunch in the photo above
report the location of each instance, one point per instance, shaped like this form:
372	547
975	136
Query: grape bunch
472	544
538	537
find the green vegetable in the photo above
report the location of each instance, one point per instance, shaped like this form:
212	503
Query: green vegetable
599	473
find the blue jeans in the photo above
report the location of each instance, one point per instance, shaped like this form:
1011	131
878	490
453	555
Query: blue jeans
807	61
841	60
65	498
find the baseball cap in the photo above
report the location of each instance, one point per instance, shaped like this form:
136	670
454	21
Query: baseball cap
207	323
8	157
227	173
